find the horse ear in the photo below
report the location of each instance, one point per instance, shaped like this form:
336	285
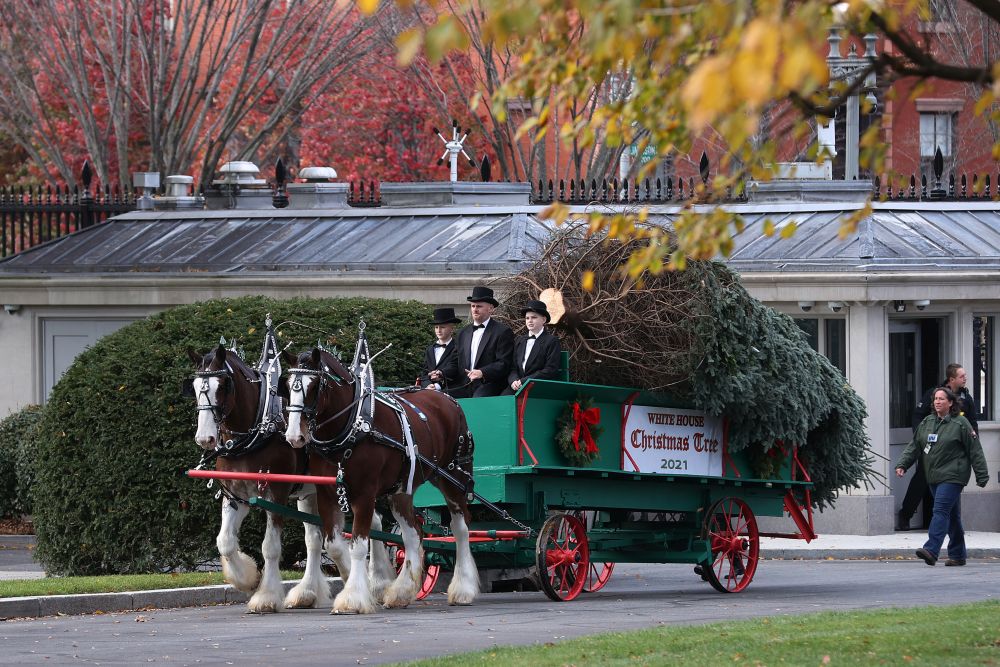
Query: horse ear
289	358
194	356
220	354
315	358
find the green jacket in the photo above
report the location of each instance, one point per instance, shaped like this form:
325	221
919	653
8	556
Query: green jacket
952	457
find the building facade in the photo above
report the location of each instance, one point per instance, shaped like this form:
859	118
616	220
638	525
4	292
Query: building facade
915	287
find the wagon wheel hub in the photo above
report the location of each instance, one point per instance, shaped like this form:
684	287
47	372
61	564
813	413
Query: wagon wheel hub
562	557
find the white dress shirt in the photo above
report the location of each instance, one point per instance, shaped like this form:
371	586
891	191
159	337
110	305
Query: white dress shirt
530	345
477	337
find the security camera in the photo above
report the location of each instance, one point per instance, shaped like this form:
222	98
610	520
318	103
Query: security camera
11	308
806	306
835	306
922	303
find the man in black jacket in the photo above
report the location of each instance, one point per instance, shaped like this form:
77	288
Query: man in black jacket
484	349
955	379
441	370
536	354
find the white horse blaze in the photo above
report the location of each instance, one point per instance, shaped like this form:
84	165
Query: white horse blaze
207	435
297	434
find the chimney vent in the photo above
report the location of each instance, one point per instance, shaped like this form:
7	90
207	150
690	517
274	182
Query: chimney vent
318	191
238	187
178	194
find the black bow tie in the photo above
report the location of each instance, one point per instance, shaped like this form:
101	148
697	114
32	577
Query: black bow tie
440	344
478	326
532	337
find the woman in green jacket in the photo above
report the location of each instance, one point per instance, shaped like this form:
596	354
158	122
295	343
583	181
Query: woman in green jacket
949	451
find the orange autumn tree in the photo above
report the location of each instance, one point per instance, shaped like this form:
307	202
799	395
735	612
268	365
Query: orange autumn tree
715	69
175	86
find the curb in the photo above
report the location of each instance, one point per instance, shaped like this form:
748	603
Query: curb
93	603
861	554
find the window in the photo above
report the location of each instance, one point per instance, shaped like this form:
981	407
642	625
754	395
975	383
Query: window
936	131
982	374
828	336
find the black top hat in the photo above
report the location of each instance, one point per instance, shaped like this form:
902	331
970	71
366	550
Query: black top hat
484	294
536	307
445	316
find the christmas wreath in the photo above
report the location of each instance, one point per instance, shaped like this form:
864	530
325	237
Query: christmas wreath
577	430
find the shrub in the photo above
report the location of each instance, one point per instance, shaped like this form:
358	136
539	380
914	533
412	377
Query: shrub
17	454
116	436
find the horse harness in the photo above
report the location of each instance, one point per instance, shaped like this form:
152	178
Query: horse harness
361	426
270	411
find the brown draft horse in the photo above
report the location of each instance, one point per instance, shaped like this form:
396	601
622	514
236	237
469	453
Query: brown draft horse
323	410
228	392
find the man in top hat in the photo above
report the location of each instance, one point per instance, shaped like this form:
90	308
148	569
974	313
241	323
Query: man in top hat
441	370
536	354
484	348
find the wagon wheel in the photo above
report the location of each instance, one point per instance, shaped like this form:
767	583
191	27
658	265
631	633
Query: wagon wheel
598	574
397	555
731	529
562	557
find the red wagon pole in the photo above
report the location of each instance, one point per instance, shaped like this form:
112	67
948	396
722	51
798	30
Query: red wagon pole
262	477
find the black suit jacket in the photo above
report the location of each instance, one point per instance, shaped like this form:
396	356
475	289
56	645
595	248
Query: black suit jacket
448	366
543	364
495	350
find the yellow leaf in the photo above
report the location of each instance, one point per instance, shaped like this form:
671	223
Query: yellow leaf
588	281
769	227
408	46
368	6
706	93
444	36
752	73
788	230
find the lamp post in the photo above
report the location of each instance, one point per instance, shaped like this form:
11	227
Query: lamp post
847	69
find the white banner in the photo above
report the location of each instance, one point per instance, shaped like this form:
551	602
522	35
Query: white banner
672	441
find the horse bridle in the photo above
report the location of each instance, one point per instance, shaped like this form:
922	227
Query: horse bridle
309	411
217	415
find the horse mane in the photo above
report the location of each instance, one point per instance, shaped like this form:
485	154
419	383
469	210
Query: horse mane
328	359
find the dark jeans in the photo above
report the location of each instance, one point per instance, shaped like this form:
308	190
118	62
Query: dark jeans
947	520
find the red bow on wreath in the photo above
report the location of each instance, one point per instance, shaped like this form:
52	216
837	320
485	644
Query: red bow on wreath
583	420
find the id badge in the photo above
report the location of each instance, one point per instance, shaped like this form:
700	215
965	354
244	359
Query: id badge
932	437
927	449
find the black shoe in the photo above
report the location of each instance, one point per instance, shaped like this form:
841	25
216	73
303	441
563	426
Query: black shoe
927	556
955	562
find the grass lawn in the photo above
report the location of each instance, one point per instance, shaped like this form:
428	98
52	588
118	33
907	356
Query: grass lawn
966	635
114	583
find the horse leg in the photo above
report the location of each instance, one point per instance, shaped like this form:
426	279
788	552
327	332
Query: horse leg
404	589
464	585
238	569
356	596
380	569
270	592
313	590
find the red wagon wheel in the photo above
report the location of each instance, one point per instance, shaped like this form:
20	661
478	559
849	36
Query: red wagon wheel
562	557
731	529
598	574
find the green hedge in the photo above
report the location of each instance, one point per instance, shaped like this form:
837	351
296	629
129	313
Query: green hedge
116	436
17	456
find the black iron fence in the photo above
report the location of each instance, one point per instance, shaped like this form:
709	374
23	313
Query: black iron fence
31	216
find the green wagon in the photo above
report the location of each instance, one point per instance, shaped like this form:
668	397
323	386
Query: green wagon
661	487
